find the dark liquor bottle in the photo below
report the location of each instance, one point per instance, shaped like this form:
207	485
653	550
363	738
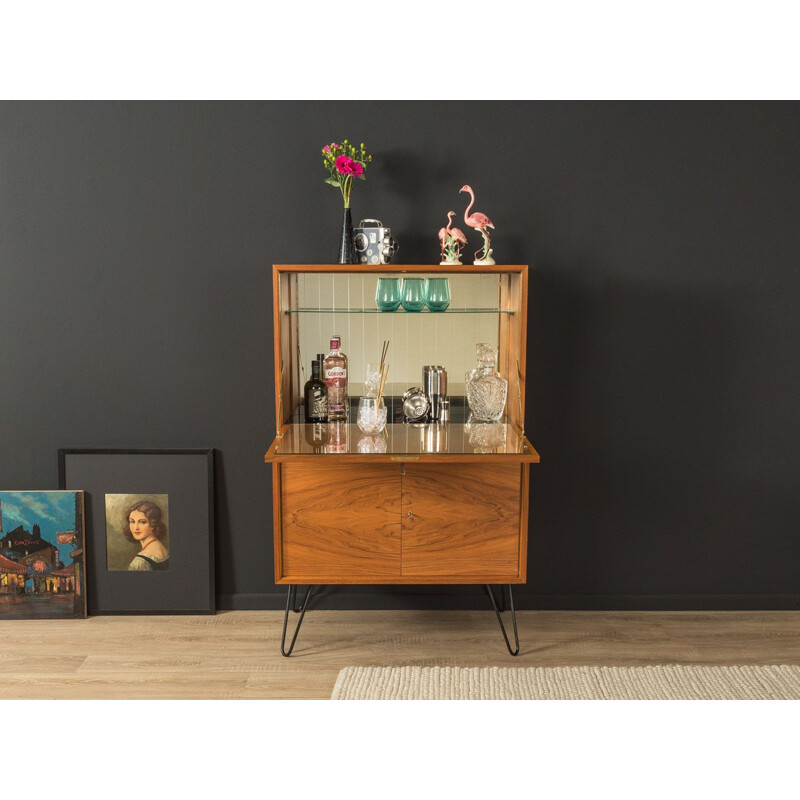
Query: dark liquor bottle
316	396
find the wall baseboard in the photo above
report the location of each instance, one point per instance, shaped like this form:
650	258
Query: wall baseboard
474	598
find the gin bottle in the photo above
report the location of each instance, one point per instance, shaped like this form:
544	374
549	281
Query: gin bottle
335	375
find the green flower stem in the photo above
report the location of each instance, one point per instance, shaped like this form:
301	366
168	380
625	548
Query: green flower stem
345	185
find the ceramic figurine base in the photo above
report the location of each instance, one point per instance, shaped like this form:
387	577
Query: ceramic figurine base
451	264
485	260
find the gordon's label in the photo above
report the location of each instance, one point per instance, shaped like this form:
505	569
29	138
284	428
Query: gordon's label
336	377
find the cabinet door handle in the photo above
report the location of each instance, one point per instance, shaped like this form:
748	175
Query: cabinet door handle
410	515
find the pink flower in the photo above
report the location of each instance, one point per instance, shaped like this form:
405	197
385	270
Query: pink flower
344	166
357	168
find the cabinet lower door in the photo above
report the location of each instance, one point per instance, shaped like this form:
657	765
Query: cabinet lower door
338	524
464	522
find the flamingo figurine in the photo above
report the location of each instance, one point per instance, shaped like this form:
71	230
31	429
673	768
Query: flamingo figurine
444	234
452	241
480	222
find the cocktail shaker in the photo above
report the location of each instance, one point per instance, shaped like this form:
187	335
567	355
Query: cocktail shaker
415	404
434	384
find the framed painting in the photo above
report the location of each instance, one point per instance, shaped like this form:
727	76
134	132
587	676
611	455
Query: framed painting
42	555
149	528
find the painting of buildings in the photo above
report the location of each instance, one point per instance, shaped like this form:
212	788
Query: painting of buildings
42	572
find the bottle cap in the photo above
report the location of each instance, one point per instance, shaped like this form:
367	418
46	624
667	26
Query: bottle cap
335	342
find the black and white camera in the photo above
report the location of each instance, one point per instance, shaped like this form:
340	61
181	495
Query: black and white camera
373	242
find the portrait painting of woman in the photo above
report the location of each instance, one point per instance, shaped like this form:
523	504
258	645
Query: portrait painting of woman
137	533
145	526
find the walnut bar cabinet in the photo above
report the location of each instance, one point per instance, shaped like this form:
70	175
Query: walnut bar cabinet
436	503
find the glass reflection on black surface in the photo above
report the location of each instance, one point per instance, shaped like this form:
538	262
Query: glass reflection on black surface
337	437
316	435
372	444
486	437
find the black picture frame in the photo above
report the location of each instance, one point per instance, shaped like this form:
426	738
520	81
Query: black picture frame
187	476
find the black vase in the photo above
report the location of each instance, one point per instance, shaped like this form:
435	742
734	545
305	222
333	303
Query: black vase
347	251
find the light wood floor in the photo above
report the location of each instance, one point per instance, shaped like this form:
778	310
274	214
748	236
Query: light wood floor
236	654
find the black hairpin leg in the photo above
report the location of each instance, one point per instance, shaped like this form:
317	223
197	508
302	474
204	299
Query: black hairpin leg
293	590
500	619
291	599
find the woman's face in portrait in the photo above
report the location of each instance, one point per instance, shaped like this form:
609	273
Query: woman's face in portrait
140	526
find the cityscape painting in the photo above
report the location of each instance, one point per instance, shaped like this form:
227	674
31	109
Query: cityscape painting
42	574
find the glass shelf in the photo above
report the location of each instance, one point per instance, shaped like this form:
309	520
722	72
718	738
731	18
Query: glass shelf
331	439
399	311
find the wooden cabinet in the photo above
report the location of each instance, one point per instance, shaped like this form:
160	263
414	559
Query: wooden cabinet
420	504
400	523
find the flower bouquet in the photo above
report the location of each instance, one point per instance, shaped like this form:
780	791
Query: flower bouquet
345	163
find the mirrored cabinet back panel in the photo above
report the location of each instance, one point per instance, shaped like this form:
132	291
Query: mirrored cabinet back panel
316	303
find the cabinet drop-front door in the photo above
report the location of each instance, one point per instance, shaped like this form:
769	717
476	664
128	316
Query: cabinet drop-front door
464	522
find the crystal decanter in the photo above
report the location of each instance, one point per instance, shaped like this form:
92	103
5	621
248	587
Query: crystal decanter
486	390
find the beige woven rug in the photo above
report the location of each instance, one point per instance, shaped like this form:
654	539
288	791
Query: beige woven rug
661	682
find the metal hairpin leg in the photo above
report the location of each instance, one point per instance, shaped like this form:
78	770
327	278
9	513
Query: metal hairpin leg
291	599
500	619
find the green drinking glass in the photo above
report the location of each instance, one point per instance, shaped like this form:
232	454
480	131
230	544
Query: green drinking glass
438	294
413	294
387	295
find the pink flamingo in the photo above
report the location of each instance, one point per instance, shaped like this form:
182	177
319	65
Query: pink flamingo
480	222
444	233
455	232
458	235
451	236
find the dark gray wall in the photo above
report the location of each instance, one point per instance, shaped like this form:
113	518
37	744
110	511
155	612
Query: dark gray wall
136	241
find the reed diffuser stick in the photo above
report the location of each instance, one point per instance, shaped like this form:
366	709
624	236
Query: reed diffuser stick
384	373
384	351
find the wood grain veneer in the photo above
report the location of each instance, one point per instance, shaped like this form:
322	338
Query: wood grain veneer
367	269
287	375
462	521
339	523
512	351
